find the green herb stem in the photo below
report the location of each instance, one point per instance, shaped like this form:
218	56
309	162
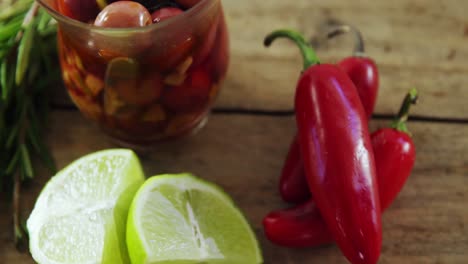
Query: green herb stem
26	66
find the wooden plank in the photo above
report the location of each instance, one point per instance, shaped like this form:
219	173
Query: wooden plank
415	43
244	154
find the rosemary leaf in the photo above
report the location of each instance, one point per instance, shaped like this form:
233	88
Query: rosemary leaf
48	31
13	163
33	71
12	136
33	135
3	53
27	65
10	80
10	30
18	232
44	20
3	79
24	51
26	161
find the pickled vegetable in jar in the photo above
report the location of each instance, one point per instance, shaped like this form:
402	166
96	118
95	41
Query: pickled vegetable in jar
146	70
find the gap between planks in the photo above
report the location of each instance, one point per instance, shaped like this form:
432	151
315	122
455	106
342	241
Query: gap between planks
280	113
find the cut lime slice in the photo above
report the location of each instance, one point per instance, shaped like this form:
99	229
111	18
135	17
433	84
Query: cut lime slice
182	219
80	215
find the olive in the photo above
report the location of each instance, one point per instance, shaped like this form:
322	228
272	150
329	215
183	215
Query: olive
123	14
153	5
165	13
82	10
188	3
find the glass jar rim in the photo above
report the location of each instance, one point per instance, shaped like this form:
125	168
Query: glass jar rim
198	10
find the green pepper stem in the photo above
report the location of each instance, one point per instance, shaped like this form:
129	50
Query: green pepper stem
400	121
359	49
308	53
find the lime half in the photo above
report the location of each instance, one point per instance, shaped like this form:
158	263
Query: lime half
80	215
182	219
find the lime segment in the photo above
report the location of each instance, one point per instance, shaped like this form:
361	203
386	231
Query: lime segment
183	219
80	215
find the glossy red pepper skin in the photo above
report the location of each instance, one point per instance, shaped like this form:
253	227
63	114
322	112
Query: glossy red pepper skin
395	156
293	186
339	160
300	226
364	74
303	226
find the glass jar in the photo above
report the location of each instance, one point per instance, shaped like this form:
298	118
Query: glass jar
147	84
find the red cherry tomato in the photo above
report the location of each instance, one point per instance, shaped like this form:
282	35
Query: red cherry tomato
123	14
165	13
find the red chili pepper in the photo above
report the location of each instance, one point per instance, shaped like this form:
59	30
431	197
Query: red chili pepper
337	154
360	69
364	74
394	151
300	226
293	184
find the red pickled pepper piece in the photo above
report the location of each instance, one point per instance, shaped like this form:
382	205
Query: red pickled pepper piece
193	94
364	74
337	154
394	151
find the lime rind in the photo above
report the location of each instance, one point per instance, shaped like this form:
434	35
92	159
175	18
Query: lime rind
80	215
143	240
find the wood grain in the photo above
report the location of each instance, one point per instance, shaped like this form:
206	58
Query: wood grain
244	154
420	43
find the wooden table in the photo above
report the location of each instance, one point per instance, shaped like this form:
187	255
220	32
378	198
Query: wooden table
421	44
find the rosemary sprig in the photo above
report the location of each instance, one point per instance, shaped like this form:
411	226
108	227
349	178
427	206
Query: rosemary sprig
25	80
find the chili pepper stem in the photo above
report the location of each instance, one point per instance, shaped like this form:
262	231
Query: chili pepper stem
400	121
359	49
308	53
